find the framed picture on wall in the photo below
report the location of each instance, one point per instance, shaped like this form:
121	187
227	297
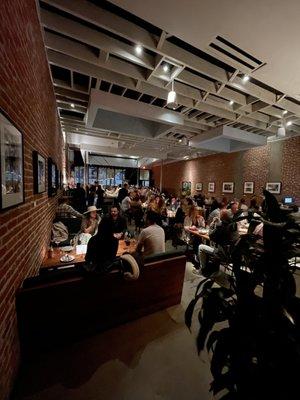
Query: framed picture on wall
52	178
11	164
39	172
186	187
248	187
227	187
198	186
211	187
273	187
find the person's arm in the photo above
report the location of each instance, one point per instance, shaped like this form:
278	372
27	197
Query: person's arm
73	212
140	243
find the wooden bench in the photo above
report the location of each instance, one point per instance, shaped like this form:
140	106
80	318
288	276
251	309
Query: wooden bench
54	309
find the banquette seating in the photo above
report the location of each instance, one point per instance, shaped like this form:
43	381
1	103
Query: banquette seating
61	306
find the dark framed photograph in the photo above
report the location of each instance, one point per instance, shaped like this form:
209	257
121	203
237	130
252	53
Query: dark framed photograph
273	187
39	172
186	188
211	187
248	187
199	186
227	187
52	178
11	164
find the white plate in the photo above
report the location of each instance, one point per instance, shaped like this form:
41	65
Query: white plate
67	258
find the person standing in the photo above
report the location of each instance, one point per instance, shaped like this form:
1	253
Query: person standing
100	196
79	198
123	192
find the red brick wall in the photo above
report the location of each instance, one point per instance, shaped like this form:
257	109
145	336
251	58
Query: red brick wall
27	97
255	165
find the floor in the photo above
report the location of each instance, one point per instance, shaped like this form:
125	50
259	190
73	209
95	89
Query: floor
153	358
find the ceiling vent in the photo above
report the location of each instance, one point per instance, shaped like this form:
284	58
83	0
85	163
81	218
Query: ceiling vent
235	53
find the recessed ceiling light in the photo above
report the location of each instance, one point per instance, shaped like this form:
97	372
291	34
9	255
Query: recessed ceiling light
138	49
72	105
166	68
284	112
231	102
180	140
245	78
289	123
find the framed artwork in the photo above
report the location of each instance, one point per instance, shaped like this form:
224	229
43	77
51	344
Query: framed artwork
248	187
198	186
227	187
11	164
273	187
52	178
39	172
211	187
186	188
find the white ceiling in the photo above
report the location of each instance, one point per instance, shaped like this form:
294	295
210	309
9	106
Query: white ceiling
267	29
107	93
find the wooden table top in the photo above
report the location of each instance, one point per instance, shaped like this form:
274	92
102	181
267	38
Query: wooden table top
79	258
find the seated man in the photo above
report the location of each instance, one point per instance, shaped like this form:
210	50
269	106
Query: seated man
222	234
152	238
64	210
116	222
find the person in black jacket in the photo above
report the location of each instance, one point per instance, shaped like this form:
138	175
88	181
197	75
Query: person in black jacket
102	248
79	198
123	192
223	233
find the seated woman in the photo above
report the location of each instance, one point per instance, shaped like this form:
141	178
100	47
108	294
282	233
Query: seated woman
91	221
193	221
102	248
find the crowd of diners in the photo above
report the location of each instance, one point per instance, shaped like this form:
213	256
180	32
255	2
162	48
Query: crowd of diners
153	218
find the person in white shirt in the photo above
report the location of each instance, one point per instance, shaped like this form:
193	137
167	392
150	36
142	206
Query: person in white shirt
151	239
125	204
243	205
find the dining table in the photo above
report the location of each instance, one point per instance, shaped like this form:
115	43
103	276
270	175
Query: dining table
77	254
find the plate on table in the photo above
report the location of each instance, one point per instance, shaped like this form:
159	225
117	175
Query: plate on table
67	258
67	249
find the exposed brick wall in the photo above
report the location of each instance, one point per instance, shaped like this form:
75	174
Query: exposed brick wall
27	97
255	165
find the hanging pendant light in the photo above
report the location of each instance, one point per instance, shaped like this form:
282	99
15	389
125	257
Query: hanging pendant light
172	98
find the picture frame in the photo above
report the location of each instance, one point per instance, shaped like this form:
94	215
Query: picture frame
52	178
11	164
248	187
39	173
273	187
199	186
228	187
211	187
186	188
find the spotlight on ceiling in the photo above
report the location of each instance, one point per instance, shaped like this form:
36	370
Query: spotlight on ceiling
172	98
166	68
231	102
180	140
284	112
72	105
246	78
289	123
138	49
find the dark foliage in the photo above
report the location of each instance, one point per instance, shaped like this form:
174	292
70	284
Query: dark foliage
257	355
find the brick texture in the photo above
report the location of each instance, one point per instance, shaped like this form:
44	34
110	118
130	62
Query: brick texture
27	97
255	165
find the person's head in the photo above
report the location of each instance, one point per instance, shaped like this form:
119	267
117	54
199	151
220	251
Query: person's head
91	212
114	212
126	186
78	185
224	216
96	183
243	200
151	217
63	200
234	207
222	206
